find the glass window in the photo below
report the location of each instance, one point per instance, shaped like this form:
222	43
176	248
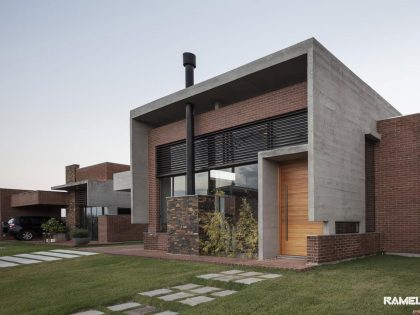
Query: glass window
165	191
202	183
179	186
247	176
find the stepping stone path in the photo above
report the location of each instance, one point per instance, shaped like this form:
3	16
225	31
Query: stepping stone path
239	276
38	257
194	294
141	310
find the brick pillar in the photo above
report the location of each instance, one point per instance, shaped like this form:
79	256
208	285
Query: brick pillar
73	212
71	173
183	222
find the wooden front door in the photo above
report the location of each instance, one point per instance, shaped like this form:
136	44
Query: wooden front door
293	196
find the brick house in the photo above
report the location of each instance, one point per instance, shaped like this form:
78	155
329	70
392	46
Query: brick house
331	169
96	204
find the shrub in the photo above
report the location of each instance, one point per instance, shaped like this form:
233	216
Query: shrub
53	226
246	233
218	234
80	233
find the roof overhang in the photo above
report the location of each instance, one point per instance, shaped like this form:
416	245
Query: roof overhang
72	186
35	198
283	68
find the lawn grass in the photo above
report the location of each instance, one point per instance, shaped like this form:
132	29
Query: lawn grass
18	247
63	287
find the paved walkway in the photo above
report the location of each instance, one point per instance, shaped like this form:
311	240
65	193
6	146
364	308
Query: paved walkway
138	250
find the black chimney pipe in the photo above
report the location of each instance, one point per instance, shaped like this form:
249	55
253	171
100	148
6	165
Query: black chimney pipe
189	64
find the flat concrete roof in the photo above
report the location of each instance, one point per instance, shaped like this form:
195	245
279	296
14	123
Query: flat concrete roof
285	67
71	186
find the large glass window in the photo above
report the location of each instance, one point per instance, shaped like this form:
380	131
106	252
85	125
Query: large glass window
229	184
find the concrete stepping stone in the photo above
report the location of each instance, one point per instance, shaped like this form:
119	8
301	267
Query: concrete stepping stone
156	292
23	261
175	296
56	254
270	276
123	306
248	280
167	313
75	252
251	274
38	257
228	278
232	272
146	309
209	276
187	286
205	290
196	300
89	312
4	264
223	293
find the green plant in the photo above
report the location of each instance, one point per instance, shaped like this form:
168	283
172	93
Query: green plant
246	232
79	233
218	237
53	226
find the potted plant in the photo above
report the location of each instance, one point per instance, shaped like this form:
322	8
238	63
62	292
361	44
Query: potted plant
54	231
80	236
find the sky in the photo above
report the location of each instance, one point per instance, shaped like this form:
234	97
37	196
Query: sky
71	71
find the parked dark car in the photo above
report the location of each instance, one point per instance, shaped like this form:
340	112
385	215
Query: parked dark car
26	227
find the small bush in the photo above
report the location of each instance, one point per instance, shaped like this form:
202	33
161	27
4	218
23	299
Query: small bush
218	234
80	233
246	234
53	226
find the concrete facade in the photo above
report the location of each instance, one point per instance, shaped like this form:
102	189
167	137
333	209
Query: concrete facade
342	110
122	181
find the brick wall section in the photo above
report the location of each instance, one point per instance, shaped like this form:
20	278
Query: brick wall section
118	228
270	104
327	248
183	222
397	184
155	241
100	172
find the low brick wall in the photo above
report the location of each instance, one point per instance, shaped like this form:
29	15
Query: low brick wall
118	228
327	248
155	241
183	222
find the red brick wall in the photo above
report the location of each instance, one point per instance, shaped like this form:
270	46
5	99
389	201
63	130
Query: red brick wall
397	184
326	248
100	172
155	241
118	228
264	106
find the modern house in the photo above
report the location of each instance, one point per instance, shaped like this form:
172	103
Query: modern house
94	204
330	168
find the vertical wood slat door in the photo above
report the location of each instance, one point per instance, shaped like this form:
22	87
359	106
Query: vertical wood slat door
294	224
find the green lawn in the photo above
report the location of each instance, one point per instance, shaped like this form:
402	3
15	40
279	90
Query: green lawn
63	287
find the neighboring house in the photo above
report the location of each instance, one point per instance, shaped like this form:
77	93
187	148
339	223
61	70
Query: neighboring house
96	206
315	149
20	202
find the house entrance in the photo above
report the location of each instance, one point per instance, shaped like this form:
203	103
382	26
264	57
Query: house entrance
293	207
89	221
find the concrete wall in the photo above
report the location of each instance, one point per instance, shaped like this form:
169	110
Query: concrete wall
102	194
139	172
341	109
122	181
